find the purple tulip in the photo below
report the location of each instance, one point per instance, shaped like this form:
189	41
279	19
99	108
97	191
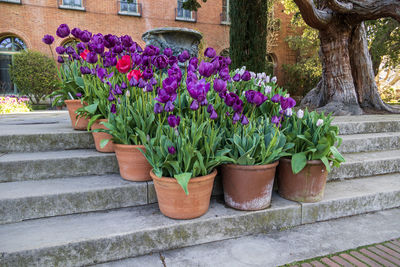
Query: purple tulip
85	36
236	117
113	109
254	97
91	57
76	32
123	85
168	52
161	62
48	39
170	85
246	76
79	95
111	96
110	40
194	61
172	60
236	78
60	50
184	56
244	120
158	108
194	105
213	115
230	99
219	85
118	90
169	106
173	121
133	82
126	41
85	70
287	102
191	77
70	50
60	59
171	150
118	49
238	105
227	61
276	120
206	69
81	47
99	48
151	50
63	31
148	73
276	98
175	72
142	83
210	52
224	74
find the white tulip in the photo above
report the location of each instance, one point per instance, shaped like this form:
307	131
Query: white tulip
268	89
320	122
274	79
300	114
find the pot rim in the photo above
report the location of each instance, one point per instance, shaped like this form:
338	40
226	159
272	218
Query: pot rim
251	167
310	162
197	179
126	147
71	100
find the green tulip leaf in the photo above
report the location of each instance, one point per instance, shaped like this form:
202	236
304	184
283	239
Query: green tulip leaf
104	142
299	161
183	180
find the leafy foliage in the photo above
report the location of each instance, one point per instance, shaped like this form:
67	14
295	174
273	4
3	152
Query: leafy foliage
314	138
34	74
248	34
257	144
198	147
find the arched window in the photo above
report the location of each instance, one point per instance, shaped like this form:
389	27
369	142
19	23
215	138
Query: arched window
9	45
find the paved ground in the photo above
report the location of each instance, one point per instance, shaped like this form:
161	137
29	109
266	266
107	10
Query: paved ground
285	247
382	254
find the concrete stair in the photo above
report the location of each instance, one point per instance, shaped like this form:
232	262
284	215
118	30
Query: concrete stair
70	207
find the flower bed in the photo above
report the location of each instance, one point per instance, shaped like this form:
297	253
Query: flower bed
14	104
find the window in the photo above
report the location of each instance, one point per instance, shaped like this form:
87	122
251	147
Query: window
9	45
130	8
225	19
184	14
71	4
11	1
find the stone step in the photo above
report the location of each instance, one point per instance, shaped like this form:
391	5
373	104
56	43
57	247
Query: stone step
367	124
34	138
55	164
43	198
370	142
97	237
283	248
367	164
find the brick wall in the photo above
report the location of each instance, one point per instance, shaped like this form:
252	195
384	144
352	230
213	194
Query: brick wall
32	19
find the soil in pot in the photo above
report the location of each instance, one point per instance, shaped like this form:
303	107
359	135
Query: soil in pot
133	166
173	201
98	136
306	186
248	187
79	123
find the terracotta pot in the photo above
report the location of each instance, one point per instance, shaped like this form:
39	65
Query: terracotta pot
133	166
80	123
100	136
173	201
306	186
248	187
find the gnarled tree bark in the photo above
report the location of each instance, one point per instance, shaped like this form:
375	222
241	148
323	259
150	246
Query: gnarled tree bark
347	86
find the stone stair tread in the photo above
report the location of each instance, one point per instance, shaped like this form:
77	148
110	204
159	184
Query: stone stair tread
364	136
41	188
52	155
371	156
366	118
45	129
146	230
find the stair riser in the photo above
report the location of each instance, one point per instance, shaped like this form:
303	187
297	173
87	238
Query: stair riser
140	243
368	127
364	169
14	210
46	142
370	144
58	168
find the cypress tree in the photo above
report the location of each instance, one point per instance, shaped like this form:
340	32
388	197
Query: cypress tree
248	34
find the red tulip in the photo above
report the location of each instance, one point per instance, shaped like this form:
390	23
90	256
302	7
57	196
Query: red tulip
135	74
124	64
84	54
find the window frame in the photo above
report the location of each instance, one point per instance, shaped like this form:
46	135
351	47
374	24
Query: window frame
193	14
18	2
138	12
225	18
61	5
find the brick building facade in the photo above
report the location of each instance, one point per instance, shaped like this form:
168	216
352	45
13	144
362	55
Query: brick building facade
30	20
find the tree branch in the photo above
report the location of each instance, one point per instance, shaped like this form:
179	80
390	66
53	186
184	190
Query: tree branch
339	6
375	9
314	17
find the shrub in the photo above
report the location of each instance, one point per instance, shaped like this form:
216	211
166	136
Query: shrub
34	74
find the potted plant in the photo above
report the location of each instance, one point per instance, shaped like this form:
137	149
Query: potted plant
302	177
255	150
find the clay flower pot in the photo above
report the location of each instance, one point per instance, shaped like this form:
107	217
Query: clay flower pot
133	166
77	123
248	187
306	186
98	136
173	201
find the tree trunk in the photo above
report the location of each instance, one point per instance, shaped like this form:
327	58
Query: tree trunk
347	83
